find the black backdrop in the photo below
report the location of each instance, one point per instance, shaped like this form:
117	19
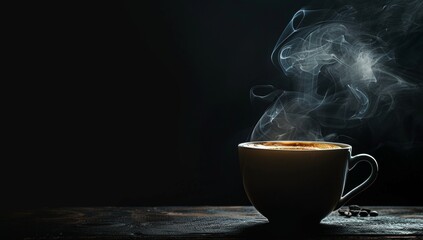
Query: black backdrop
144	102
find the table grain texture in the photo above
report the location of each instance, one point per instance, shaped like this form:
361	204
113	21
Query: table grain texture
201	222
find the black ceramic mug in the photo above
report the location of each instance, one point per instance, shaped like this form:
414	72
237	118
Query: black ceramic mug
299	182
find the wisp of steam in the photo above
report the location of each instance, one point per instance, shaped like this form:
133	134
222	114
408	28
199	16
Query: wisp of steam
342	68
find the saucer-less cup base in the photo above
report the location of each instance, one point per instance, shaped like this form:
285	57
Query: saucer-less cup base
298	186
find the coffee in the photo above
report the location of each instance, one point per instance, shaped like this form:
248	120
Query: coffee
300	146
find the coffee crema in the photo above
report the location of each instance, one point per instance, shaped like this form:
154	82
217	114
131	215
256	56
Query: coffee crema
294	145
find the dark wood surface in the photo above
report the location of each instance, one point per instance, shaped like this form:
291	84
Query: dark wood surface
208	222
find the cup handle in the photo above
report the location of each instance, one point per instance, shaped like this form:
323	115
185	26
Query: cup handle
353	162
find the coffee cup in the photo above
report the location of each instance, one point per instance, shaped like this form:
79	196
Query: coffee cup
299	182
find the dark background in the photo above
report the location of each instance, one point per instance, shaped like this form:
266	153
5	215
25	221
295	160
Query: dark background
142	103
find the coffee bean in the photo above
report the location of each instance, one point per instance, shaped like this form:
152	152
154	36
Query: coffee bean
354	212
354	207
364	214
373	213
342	211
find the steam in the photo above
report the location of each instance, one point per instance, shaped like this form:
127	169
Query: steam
342	68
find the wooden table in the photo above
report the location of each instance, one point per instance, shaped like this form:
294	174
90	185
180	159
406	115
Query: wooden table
207	222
